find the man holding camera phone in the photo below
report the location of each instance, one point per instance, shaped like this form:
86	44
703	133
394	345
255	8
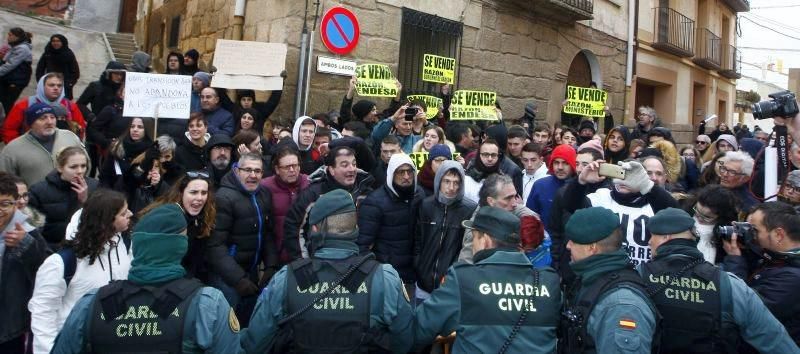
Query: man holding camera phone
773	241
407	122
704	308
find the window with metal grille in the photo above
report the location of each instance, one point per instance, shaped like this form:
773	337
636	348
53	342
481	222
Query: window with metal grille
174	32
425	34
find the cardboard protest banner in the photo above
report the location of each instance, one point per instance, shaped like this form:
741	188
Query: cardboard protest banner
249	65
375	80
432	104
473	105
419	158
438	69
157	95
584	101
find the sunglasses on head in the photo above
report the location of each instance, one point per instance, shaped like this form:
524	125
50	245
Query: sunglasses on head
197	174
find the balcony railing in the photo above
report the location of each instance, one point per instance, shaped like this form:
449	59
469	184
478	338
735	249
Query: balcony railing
674	32
709	50
738	5
565	10
731	63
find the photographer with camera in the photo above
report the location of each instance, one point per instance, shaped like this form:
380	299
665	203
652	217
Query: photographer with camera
772	235
704	309
406	124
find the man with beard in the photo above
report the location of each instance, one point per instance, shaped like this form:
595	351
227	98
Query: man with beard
646	120
303	133
218	150
387	216
487	163
341	172
461	135
220	120
242	237
634	199
562	167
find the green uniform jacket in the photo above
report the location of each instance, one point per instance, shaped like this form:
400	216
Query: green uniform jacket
757	326
622	320
390	307
208	327
441	313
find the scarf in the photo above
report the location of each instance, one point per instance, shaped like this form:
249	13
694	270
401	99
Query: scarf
592	268
157	257
480	171
135	148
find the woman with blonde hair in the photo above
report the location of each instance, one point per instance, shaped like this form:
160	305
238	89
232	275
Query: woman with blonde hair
432	135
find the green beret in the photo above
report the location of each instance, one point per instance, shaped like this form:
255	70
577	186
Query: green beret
670	221
589	225
497	223
334	202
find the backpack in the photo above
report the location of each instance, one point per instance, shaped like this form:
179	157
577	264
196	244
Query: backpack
71	260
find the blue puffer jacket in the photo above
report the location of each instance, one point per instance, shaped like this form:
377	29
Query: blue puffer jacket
386	223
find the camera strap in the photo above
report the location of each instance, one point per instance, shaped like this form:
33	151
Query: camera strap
782	142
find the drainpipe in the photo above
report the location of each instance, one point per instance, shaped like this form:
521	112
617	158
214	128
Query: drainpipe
633	16
238	19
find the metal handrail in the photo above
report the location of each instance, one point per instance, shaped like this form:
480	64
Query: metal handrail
674	29
709	46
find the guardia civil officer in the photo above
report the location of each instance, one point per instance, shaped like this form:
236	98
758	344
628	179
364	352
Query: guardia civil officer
607	309
336	301
704	309
158	309
497	304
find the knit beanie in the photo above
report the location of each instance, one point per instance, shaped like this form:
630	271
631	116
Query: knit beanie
362	108
166	219
192	53
564	152
587	124
594	145
439	150
35	111
530	109
202	76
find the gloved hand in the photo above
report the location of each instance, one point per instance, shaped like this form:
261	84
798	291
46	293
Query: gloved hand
245	287
635	177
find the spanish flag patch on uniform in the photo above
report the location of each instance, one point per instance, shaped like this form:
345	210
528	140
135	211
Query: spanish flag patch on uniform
627	324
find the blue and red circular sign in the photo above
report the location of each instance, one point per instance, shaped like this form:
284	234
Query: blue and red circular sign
339	30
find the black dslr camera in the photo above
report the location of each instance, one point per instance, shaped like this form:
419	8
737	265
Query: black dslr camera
744	230
783	104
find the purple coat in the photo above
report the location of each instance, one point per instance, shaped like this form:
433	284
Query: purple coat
283	196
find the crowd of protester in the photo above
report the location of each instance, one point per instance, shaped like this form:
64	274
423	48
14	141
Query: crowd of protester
79	179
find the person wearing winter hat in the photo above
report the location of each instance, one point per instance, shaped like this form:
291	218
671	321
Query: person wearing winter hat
200	80
790	192
388	214
702	143
191	319
333	232
634	197
612	301
190	63
586	130
303	133
562	167
438	154
32	155
140	62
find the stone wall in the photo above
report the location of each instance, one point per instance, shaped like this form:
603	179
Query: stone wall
522	58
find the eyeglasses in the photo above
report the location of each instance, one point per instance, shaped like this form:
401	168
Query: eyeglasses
248	171
7	204
409	172
700	142
197	174
724	171
24	196
489	155
793	189
289	167
706	219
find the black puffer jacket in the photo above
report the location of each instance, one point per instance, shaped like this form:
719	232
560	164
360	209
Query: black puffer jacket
438	234
55	198
103	92
189	156
241	238
295	227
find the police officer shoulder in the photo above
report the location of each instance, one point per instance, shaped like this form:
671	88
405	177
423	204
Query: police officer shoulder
608	311
157	309
704	308
337	301
499	302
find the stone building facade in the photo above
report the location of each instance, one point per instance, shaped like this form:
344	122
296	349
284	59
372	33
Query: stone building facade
526	51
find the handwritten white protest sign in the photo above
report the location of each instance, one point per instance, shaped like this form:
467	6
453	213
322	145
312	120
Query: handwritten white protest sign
157	95
249	65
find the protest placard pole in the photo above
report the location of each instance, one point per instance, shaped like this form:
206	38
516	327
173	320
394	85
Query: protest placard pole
155	121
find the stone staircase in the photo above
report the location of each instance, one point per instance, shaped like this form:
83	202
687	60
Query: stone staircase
123	45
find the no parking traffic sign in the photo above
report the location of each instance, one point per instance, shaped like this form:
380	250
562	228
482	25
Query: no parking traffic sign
339	30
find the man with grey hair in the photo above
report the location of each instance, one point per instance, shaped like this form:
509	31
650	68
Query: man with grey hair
790	192
734	171
497	191
646	120
242	237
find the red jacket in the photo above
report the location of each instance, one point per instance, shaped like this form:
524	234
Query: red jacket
14	125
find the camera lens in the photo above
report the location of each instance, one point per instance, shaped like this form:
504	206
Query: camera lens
764	110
